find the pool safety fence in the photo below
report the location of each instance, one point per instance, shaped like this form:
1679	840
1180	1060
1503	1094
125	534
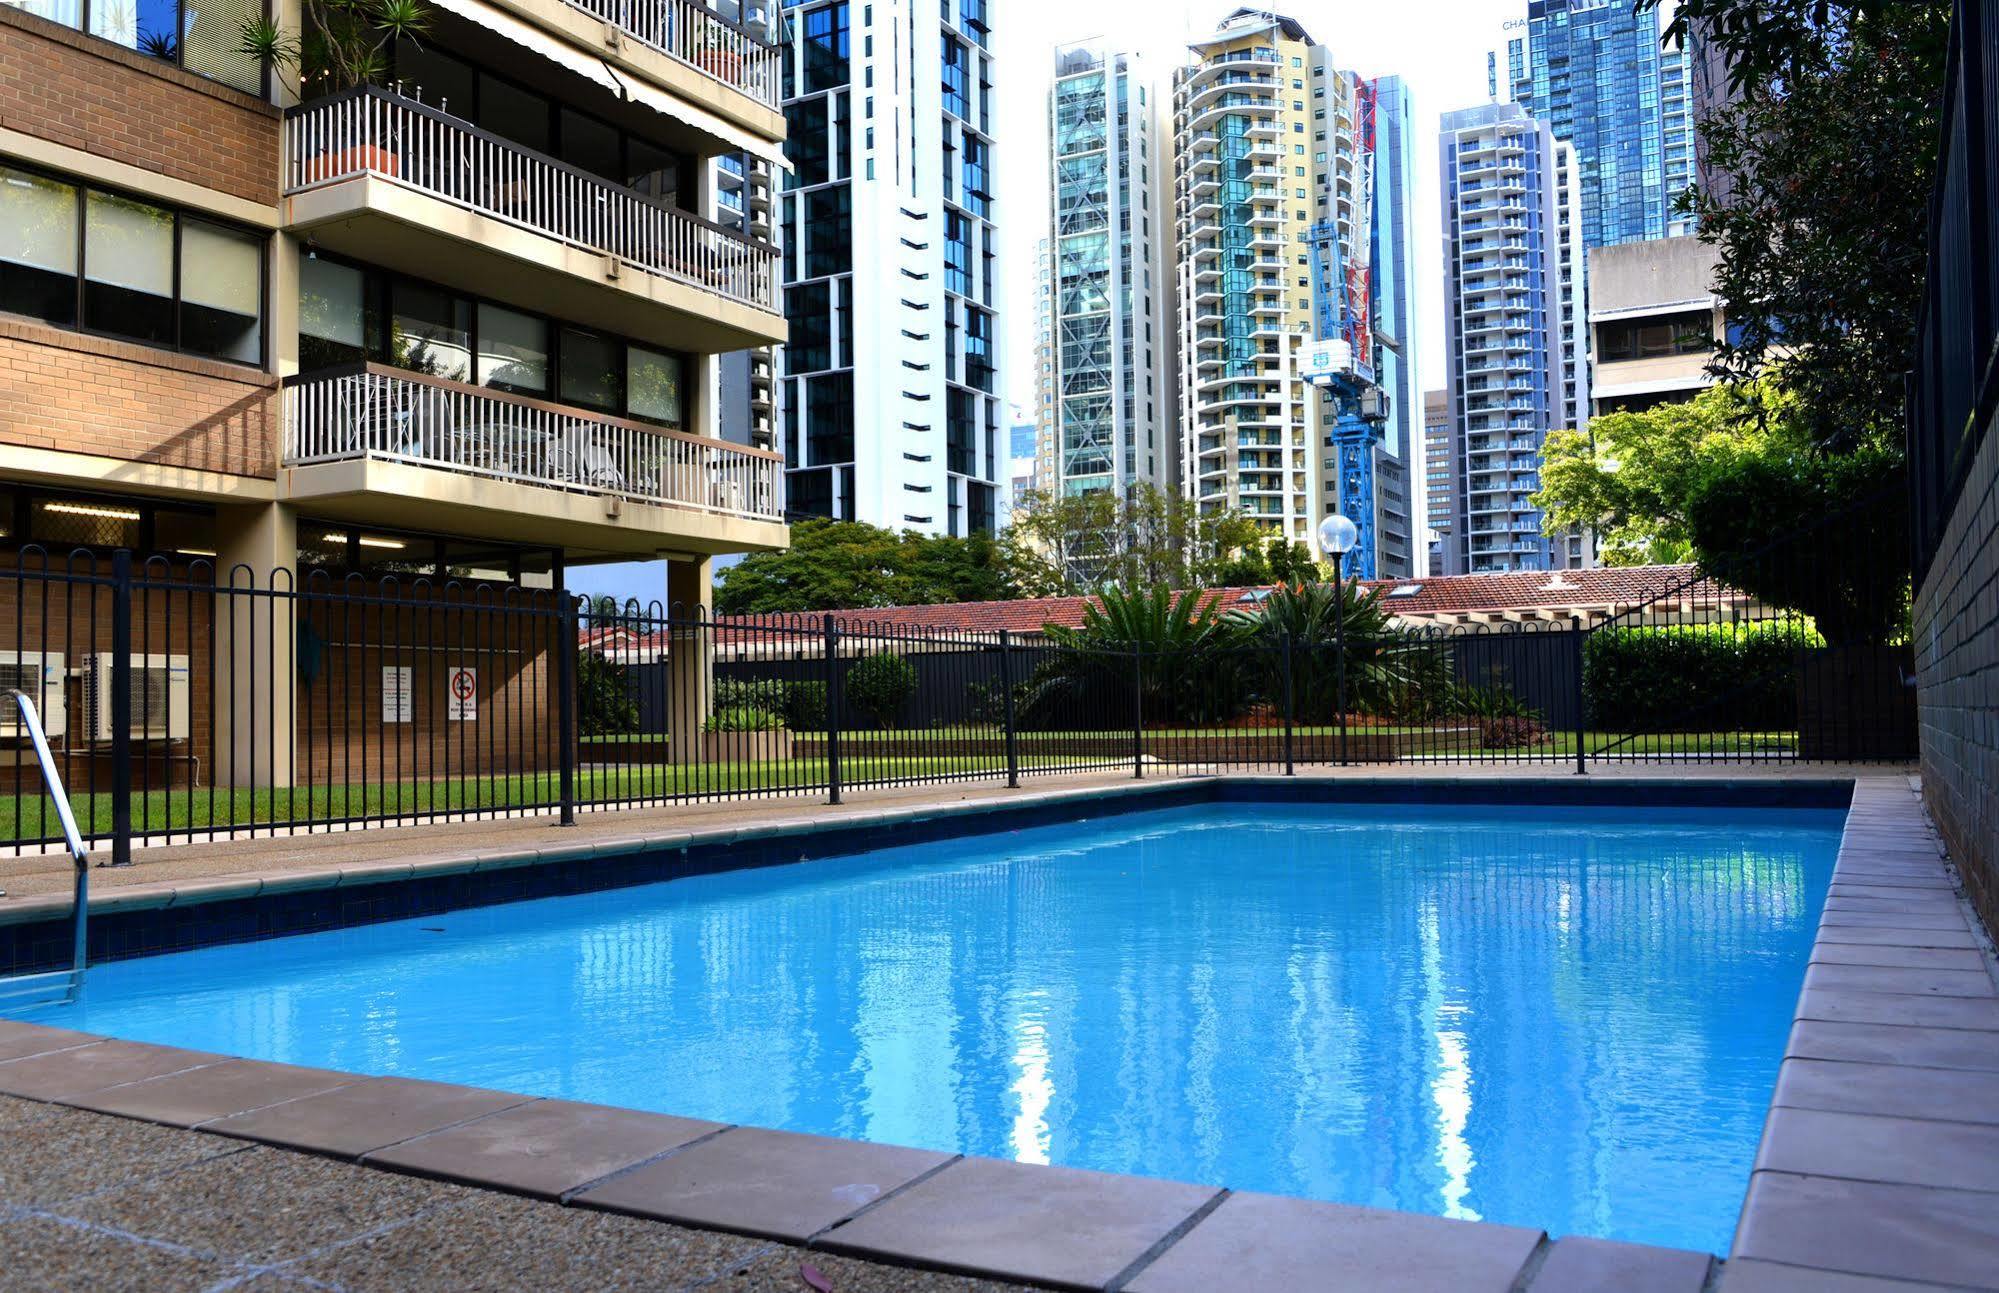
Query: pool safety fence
186	702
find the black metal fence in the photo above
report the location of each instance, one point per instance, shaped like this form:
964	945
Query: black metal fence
188	704
1953	390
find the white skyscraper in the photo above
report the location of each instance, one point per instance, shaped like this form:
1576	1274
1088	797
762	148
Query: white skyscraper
890	386
1515	329
1112	397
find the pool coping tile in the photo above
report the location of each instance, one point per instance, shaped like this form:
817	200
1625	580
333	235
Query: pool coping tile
545	1148
1579	1264
371	1114
58	1074
195	1096
1063	1227
774	1184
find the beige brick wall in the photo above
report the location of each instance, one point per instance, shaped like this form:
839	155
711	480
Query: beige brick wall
87	93
1957	663
82	394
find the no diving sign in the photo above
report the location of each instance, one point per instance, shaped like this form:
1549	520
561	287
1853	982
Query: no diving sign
462	695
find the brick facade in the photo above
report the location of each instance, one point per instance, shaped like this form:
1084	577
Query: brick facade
1957	662
87	93
83	394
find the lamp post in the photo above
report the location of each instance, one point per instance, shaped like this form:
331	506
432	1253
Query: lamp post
1337	535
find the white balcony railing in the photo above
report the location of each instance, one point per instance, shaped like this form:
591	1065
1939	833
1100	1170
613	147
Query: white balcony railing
698	36
369	131
374	412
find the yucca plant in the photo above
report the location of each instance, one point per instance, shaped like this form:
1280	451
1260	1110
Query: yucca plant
1176	643
1309	614
344	43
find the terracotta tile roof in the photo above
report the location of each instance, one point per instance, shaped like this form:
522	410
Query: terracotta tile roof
1446	597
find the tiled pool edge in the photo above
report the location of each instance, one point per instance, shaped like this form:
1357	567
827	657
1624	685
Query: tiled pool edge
148	919
1880	1155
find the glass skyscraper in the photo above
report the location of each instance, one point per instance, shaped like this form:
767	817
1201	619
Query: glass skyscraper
1596	73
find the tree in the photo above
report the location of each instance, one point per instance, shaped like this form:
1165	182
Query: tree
1827	156
878	684
1629	477
1061	544
846	565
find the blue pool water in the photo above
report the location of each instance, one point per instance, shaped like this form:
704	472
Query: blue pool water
1566	1018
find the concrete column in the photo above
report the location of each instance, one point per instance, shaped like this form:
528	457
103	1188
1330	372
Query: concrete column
690	657
256	646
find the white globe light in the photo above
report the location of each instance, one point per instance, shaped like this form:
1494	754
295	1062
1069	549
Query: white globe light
1337	535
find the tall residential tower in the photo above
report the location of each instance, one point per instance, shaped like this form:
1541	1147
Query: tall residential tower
1514	319
889	397
1113	420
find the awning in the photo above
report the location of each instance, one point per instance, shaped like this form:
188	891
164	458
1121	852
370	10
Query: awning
523	33
637	91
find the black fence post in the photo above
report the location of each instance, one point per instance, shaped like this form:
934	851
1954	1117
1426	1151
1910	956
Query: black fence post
1290	712
565	709
121	708
1137	711
1581	640
1006	709
835	697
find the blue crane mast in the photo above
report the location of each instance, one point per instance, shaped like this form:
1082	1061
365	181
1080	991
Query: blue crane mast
1342	307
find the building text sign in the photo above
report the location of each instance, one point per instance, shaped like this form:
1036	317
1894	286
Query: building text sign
395	693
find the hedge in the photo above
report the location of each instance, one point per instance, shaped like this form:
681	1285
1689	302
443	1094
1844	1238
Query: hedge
1708	677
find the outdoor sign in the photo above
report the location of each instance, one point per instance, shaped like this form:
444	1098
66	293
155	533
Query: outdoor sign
1324	359
462	695
395	693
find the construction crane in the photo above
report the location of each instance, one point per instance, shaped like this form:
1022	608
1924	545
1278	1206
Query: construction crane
1341	359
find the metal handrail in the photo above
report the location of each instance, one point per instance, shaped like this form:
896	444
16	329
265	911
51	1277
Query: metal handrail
52	779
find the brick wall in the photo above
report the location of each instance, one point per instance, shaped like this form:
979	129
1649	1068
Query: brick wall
1957	662
82	394
85	92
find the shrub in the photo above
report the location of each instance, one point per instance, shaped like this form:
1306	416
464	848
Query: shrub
749	693
985	702
744	718
1724	677
805	706
878	684
604	702
1187	672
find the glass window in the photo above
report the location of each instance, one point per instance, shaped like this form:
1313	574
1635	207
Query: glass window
513	113
128	258
430	76
431	332
214	42
331	314
149	26
653	381
37	247
513	351
221	292
590	145
590	368
658	173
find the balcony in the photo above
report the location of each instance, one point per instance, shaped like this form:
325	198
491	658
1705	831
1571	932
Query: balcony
394	182
364	442
728	53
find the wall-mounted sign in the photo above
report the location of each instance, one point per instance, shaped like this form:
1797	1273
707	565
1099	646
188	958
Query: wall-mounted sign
395	693
462	695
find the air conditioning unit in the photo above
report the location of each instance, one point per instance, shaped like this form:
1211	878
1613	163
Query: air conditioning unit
40	675
159	697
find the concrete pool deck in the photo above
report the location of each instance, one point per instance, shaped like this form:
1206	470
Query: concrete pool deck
1879	1168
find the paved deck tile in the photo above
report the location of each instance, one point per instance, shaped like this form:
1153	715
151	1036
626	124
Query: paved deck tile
1900	1231
1745	1276
1264	1241
1894	1090
776	1183
266	1205
1941	920
215	1091
1868	1147
56	1154
18	1040
1915	980
58	1255
1897	937
370	1115
1915	958
1022	1221
778	1271
547	1148
55	1074
1946	1048
1854	1005
1582	1265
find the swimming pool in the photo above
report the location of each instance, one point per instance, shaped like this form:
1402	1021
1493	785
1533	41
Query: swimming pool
1568	1018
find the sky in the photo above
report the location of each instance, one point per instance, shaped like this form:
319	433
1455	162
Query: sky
1437	47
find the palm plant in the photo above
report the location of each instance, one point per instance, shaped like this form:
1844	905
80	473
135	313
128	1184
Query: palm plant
1310	616
343	43
1175	642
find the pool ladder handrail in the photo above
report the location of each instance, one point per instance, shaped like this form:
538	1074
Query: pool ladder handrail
54	987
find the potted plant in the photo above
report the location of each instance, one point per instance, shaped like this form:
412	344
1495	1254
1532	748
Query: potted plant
745	734
719	58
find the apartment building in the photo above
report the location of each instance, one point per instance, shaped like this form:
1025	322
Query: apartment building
1393	213
1267	144
1597	73
462	321
1514	330
1654	323
1045	439
1113	425
890	394
1437	488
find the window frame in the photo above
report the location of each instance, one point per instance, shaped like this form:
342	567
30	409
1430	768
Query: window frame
86	11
